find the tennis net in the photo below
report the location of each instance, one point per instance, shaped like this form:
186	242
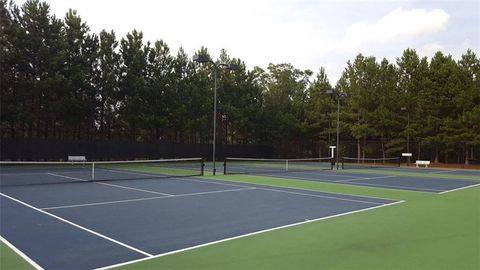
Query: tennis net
366	163
259	166
14	173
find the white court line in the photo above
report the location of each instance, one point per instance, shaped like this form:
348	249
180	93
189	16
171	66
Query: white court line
317	196
256	185
246	235
442	171
212	182
20	253
145	199
317	179
280	170
78	226
365	178
153	175
136	189
284	191
447	191
31	173
102	203
111	185
334	174
408	188
69	177
132	172
299	193
305	180
284	176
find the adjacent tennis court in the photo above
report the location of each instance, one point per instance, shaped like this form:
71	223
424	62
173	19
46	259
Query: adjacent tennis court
59	218
380	173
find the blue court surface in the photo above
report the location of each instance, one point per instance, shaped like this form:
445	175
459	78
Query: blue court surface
98	224
425	179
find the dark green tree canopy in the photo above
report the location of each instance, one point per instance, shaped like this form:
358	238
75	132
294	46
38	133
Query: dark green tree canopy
59	80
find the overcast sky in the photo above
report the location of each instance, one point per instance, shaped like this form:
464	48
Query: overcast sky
306	33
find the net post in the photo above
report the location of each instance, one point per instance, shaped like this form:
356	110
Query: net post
225	166
343	161
286	165
93	171
202	166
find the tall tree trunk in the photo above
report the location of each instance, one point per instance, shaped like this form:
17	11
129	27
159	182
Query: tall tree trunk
132	131
466	155
358	149
45	131
418	150
446	154
12	129
383	146
23	128
54	129
363	147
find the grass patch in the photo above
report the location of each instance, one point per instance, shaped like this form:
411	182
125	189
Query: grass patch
11	260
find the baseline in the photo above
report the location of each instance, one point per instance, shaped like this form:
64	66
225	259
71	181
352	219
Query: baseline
247	235
456	189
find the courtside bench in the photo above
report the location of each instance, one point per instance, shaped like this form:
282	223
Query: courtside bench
77	158
422	162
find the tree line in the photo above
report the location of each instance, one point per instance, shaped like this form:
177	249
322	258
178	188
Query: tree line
59	80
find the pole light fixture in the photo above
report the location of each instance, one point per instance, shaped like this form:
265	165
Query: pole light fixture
205	59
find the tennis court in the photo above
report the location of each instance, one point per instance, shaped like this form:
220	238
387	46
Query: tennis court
379	175
60	219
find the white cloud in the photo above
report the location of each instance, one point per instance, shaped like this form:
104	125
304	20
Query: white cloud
430	49
307	33
397	25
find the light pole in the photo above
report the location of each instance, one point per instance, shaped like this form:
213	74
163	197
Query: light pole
408	133
329	141
201	58
337	94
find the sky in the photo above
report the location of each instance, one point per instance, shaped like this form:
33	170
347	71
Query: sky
309	34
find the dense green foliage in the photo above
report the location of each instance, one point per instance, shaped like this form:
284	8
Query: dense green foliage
59	80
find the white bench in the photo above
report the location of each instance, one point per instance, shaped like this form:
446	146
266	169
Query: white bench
422	162
77	158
